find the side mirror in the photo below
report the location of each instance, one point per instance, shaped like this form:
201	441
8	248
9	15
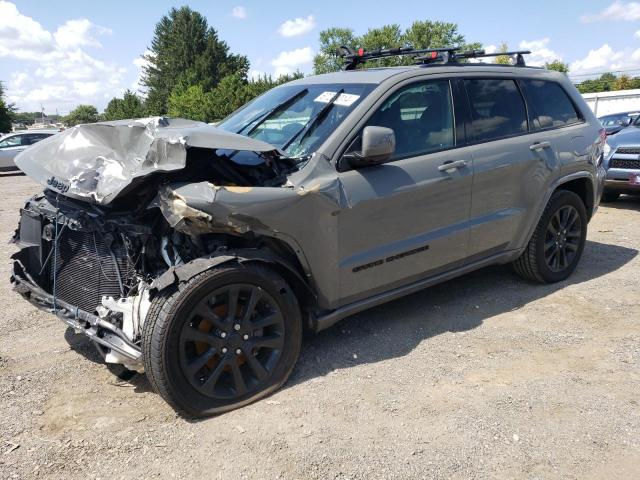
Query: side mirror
378	146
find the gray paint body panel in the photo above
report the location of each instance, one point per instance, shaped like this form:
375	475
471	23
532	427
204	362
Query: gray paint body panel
369	234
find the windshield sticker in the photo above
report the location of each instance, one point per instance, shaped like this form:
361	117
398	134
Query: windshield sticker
346	99
343	100
325	97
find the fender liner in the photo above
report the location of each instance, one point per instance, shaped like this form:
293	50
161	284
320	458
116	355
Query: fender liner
183	273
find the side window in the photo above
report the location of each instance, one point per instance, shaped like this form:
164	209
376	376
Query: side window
14	141
551	106
34	138
421	115
497	109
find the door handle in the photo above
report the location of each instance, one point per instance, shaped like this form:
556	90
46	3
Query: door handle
450	165
539	146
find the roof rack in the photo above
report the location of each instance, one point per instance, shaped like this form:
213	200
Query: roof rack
447	55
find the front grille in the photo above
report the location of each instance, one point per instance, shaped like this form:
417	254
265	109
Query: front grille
86	269
623	163
628	150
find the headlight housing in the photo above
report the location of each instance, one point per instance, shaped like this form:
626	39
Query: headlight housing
606	149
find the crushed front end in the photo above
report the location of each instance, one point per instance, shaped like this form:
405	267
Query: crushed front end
91	269
104	228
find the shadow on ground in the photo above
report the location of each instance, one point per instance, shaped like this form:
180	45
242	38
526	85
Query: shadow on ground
625	202
394	329
81	344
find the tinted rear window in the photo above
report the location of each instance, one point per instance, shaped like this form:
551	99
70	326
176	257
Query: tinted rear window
497	109
550	105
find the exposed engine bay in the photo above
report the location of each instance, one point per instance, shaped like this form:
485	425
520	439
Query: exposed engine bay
103	237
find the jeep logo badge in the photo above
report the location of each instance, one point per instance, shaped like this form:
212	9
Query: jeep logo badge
57	185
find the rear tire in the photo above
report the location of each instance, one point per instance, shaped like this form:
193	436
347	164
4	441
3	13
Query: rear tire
558	241
609	197
226	338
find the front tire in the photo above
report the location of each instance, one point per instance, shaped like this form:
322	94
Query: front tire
226	338
558	241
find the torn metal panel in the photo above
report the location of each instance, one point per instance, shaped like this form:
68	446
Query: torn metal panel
97	161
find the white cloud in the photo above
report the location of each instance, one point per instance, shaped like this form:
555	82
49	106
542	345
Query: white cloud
490	49
637	34
57	71
78	33
21	36
618	10
540	52
288	62
297	26
604	59
239	12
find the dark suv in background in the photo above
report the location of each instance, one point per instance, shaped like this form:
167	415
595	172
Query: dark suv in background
200	253
622	163
616	122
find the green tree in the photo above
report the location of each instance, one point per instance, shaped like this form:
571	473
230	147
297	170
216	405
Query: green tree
623	83
503	59
129	106
330	40
607	80
231	93
264	83
420	35
192	103
427	34
81	114
185	50
6	112
605	83
558	66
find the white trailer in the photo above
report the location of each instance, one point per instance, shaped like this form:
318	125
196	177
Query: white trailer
604	103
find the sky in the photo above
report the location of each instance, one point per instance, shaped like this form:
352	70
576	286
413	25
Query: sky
58	54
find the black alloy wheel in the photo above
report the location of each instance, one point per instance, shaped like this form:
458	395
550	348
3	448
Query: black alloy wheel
563	238
225	338
232	341
557	243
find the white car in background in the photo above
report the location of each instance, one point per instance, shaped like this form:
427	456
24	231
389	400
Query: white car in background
14	143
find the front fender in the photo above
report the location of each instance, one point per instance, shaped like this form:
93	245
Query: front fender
183	273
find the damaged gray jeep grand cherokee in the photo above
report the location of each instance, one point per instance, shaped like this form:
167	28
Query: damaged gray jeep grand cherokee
199	254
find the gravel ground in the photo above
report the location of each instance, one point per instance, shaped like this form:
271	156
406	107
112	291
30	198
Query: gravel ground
486	376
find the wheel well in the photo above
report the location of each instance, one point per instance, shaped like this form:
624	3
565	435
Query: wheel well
292	271
584	189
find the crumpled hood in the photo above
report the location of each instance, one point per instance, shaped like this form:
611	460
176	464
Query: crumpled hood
97	161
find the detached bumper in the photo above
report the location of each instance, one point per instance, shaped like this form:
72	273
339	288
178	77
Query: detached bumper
97	329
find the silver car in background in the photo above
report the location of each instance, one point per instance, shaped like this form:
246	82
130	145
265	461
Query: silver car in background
14	143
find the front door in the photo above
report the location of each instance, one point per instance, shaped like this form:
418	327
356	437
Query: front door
408	218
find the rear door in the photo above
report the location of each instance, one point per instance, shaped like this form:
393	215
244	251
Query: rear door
511	165
554	115
407	218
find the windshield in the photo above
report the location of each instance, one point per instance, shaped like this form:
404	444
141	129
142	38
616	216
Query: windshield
297	118
619	119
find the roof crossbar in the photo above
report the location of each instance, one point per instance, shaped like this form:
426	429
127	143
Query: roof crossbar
446	55
518	54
